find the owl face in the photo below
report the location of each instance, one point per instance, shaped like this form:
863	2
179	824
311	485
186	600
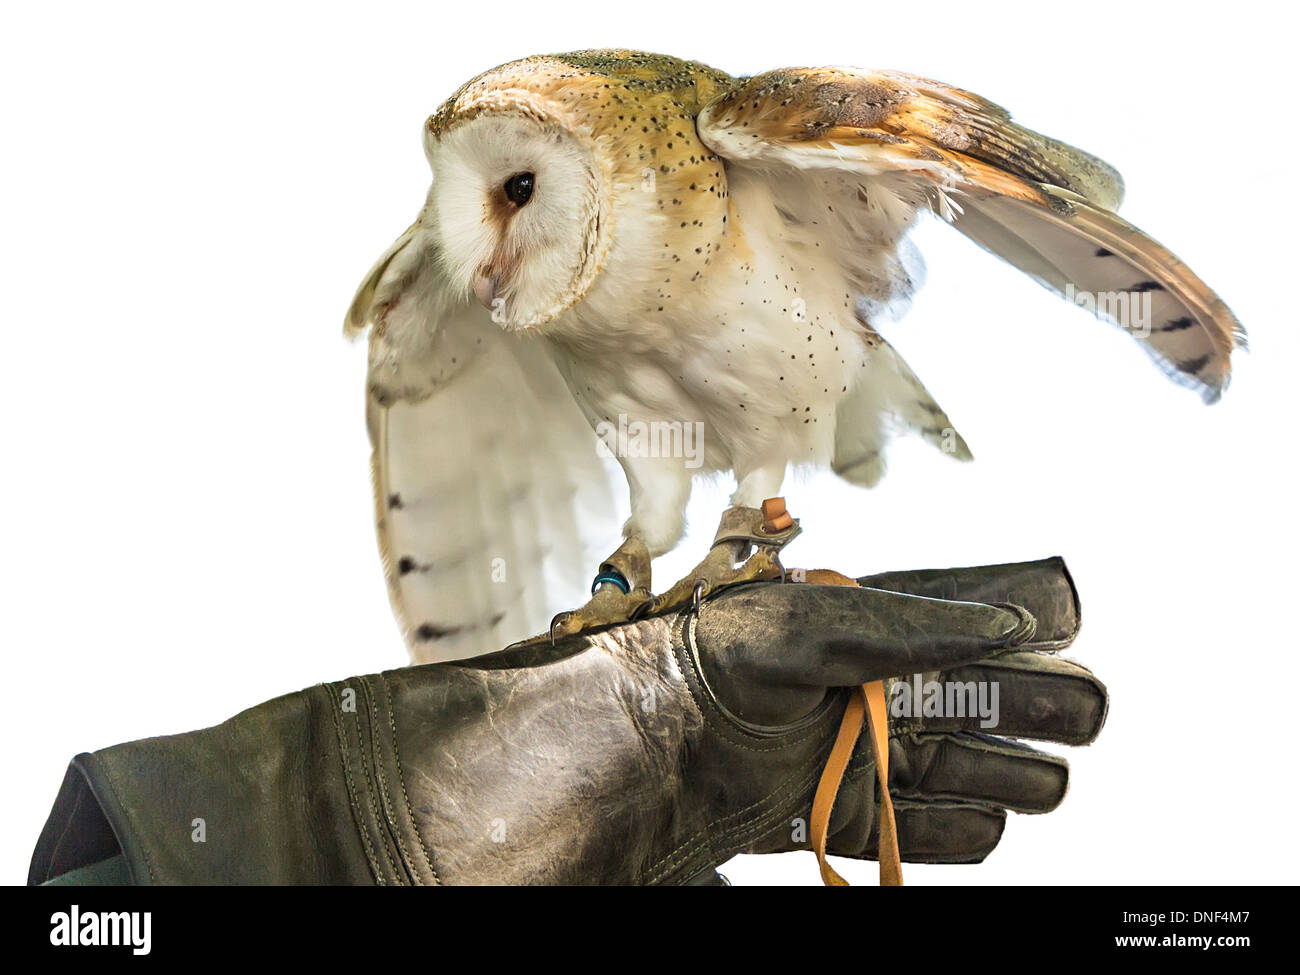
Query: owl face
518	203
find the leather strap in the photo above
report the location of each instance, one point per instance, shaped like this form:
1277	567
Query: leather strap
829	785
866	705
891	863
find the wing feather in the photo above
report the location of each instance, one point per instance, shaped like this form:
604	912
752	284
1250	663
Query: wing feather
1044	206
489	492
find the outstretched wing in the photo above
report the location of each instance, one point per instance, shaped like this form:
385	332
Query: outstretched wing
487	482
870	149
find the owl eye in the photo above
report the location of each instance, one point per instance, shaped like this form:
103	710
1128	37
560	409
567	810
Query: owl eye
519	188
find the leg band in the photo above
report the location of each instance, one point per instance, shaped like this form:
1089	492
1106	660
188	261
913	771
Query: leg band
608	574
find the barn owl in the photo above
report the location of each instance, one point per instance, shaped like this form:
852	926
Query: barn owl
630	254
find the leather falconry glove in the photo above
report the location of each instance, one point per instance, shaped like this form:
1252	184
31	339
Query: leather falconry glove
648	753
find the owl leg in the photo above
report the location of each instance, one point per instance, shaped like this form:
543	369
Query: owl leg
621	589
747	545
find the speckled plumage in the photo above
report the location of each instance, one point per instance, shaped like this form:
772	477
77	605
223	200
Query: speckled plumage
701	250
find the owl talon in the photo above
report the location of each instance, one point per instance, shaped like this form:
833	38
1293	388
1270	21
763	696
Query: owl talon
619	594
608	606
717	571
746	548
556	620
753	535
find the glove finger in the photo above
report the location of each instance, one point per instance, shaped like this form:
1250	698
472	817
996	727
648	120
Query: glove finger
1015	694
939	832
837	636
976	768
1043	587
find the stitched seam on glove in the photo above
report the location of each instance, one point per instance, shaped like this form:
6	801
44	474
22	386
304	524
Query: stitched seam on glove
723	722
381	787
735	839
353	800
395	869
401	781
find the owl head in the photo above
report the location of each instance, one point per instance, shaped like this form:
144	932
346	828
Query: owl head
519	206
517	217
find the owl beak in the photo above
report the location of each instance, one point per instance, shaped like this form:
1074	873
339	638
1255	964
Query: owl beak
485	289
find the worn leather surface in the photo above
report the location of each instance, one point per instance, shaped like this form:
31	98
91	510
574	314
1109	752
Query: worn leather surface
643	754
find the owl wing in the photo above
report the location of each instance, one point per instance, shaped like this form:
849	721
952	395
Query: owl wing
867	150
488	488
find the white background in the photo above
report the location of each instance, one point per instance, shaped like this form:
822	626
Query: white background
190	198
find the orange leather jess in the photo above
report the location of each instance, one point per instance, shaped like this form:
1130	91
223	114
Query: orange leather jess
866	705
